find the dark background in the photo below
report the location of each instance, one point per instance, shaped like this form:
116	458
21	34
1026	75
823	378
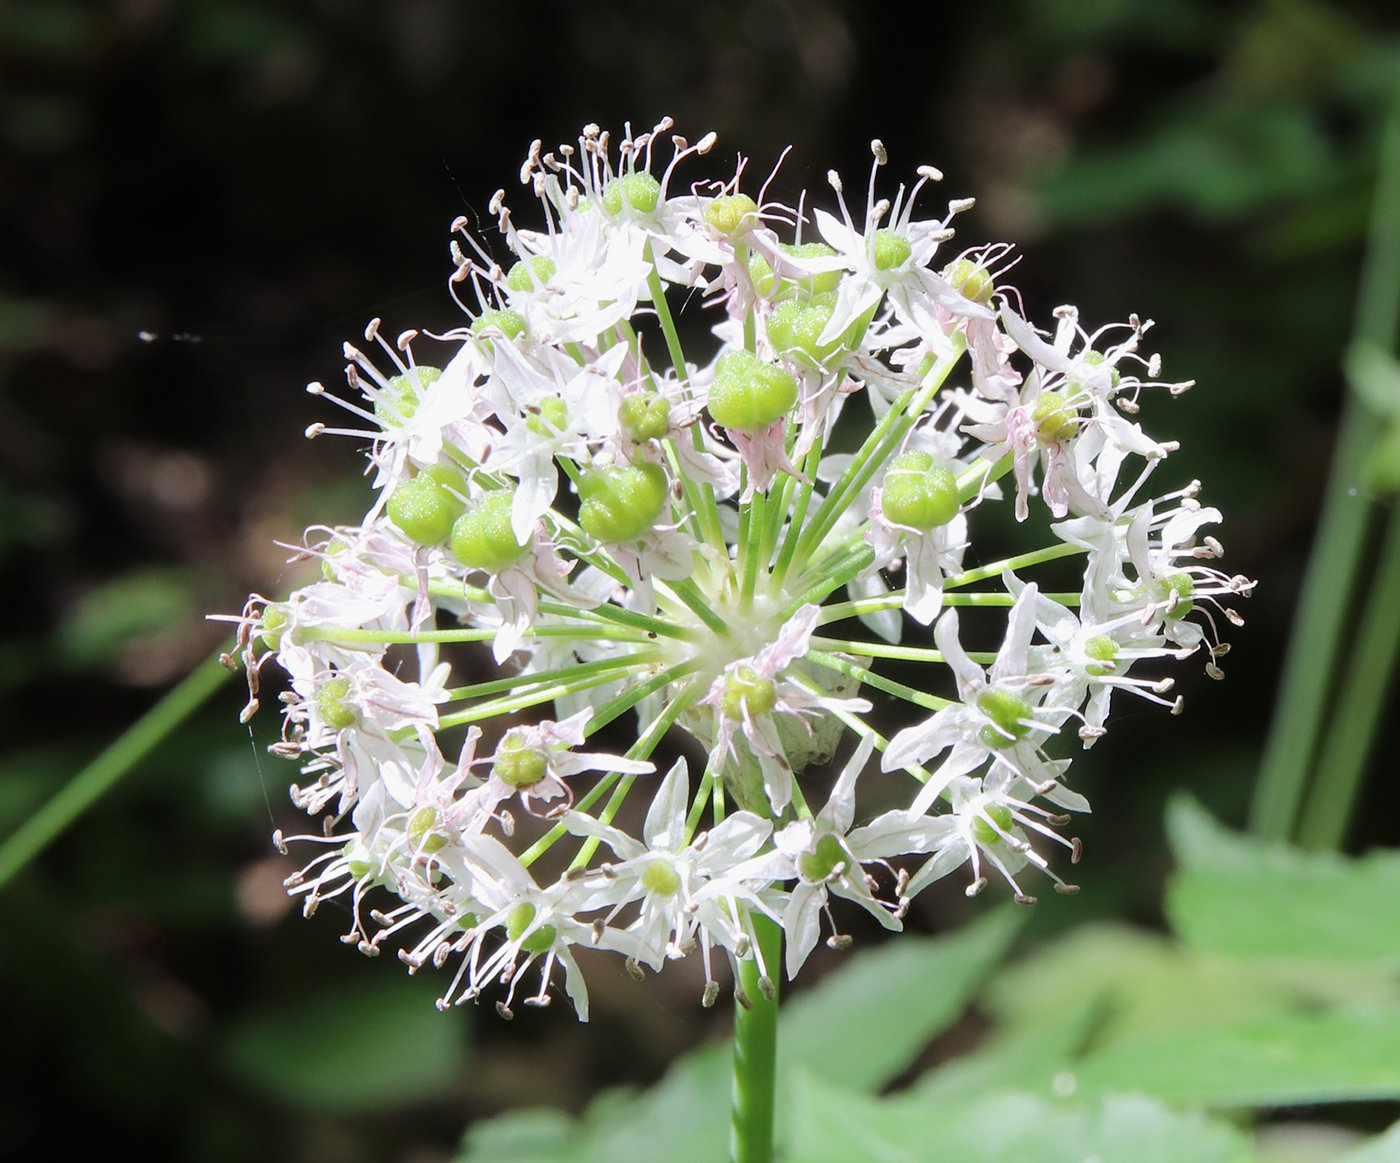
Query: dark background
249	182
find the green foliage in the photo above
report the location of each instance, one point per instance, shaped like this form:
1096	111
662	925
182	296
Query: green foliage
377	1044
1110	1042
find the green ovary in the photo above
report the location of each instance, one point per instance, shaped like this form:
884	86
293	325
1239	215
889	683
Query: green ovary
519	766
482	537
518	921
818	866
748	394
992	825
745	688
331	705
661	878
1007	713
620	503
917	494
639	190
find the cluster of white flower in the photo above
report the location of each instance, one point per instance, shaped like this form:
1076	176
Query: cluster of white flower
633	530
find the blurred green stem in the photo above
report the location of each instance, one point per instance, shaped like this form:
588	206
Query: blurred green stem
756	1050
35	834
1310	667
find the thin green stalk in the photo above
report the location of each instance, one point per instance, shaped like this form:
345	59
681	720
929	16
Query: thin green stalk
886	650
133	745
699	604
533	696
756	1048
1351	736
879	682
1020	561
1309	670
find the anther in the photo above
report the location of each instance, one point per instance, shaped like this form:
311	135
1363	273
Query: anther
1076	849
959	205
1179	705
976	886
1066	889
930	172
1022	899
877	147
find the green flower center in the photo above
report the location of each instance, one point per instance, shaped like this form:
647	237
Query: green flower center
1008	713
890	250
508	322
331	705
660	878
1104	651
620	503
917	494
420	830
645	416
401	396
424	509
749	394
638	190
529	274
519	919
731	213
1055	418
819	865
972	280
744	688
517	765
482	537
992	825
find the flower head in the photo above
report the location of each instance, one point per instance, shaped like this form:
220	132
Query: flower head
583	527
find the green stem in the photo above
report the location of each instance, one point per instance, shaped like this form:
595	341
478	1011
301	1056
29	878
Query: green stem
1309	670
756	1049
133	745
1351	736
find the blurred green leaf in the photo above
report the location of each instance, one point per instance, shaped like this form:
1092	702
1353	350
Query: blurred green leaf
890	1002
1300	1058
863	1025
1236	895
530	1136
1382	1149
832	1125
377	1044
120	611
1143	983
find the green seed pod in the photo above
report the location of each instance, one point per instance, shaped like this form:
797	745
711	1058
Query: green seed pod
918	494
1009	715
423	509
992	825
401	395
795	328
331	705
744	689
890	250
644	416
482	537
819	865
509	323
621	502
749	394
818	284
518	921
638	190
1055	418
972	280
531	274
732	214
519	766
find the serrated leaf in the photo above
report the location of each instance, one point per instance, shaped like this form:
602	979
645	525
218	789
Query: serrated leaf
1236	895
834	1125
1301	1058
